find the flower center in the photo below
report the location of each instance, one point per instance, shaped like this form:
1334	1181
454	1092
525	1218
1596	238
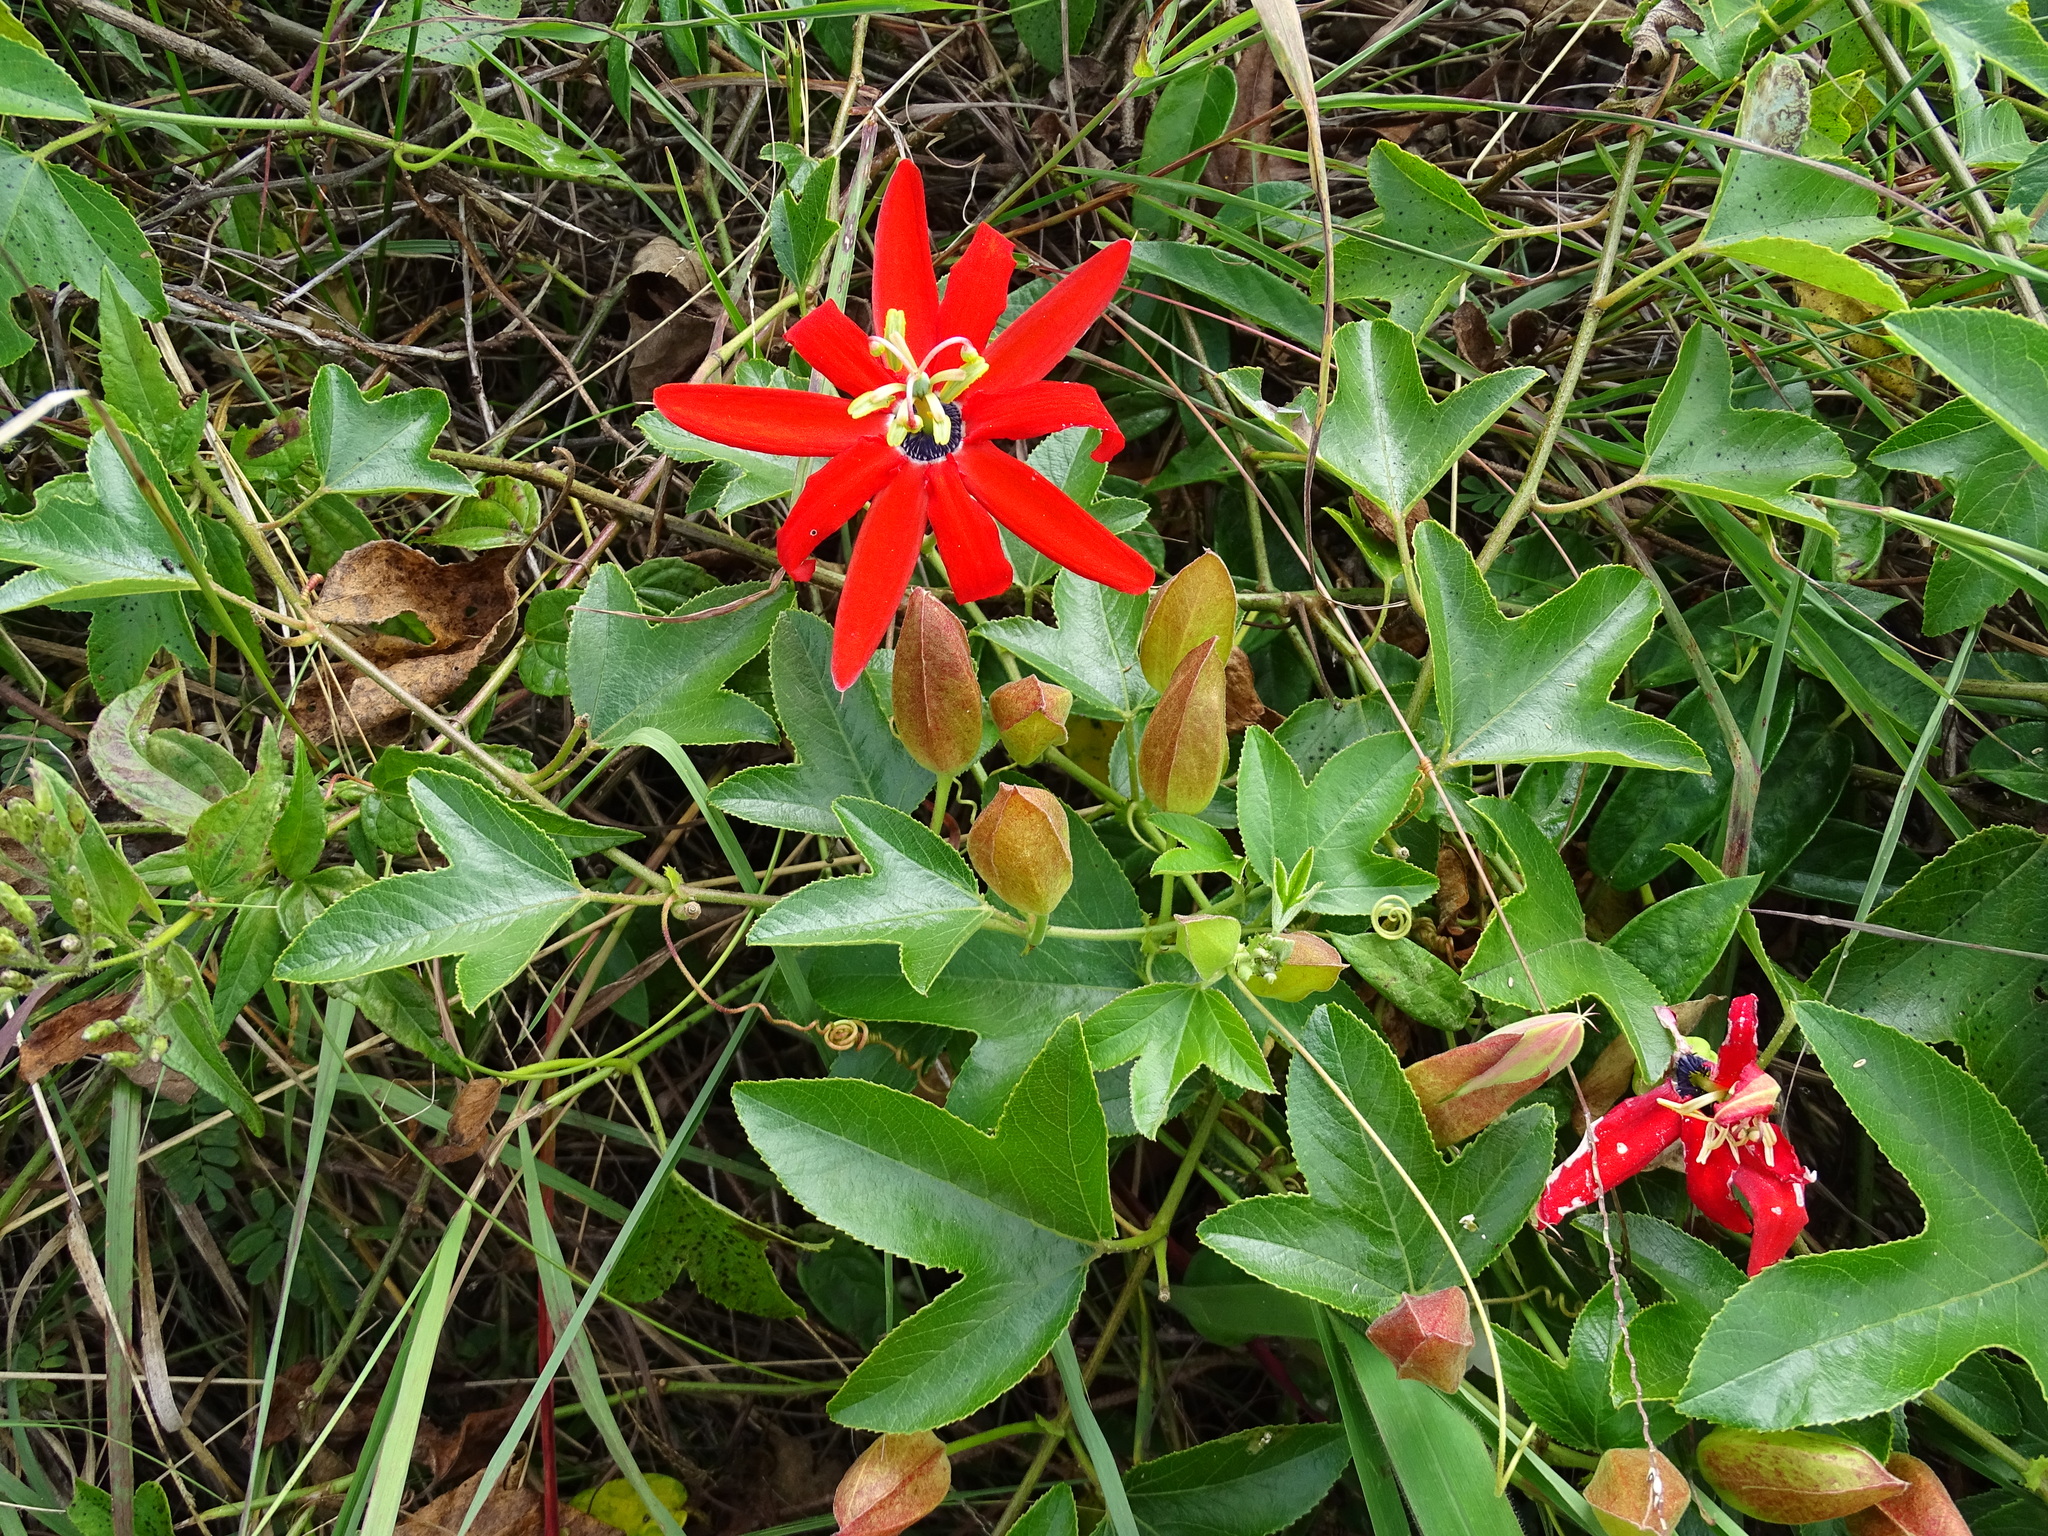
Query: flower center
924	446
920	405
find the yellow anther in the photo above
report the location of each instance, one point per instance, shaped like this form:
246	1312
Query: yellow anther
873	400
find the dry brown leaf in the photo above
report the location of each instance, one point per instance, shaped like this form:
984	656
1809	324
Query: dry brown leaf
1475	337
468	607
469	1120
667	333
60	1039
1453	884
507	1512
1242	705
1890	372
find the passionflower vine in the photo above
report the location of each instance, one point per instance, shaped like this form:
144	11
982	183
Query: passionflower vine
923	401
1719	1106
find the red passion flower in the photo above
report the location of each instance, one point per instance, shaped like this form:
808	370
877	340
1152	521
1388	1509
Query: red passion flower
1719	1106
930	396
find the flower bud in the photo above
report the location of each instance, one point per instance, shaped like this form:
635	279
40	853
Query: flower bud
1019	846
892	1485
1792	1476
1924	1509
1288	966
1198	604
933	688
1466	1089
1180	761
1429	1338
1637	1493
1209	944
1032	716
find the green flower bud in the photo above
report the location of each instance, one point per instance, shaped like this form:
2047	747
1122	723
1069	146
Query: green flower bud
1288	966
1792	1476
1637	1493
1466	1089
1924	1509
892	1485
936	696
1019	846
1198	604
1429	1338
1209	944
1180	760
1032	717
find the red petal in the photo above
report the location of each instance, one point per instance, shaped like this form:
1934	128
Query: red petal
884	555
904	278
786	421
1707	1179
1049	520
838	490
838	349
978	288
1779	1209
976	563
1036	409
1038	339
1739	1049
1623	1142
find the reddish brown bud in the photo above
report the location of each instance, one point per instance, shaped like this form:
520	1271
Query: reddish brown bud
1180	761
1792	1476
1637	1493
892	1485
1019	845
1924	1509
1429	1338
1288	966
936	695
1032	717
1198	604
1466	1089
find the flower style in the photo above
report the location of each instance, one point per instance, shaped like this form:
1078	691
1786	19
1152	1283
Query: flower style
930	395
1719	1106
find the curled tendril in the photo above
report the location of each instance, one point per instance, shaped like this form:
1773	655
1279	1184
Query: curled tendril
1392	917
843	1034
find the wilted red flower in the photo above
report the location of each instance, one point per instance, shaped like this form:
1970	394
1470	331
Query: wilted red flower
918	436
1719	1104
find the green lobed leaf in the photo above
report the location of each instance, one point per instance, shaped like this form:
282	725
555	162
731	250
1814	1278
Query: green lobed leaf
368	447
1094	651
571	834
742	479
506	888
1421	212
1410	977
34	85
1384	435
1011	998
1697	441
538	145
1975	977
1764	198
1696	1280
57	227
1535	689
1358	1240
843	743
1352	801
2006	35
1997	360
1173	1029
1549	954
1677	943
921	897
626	673
92	536
1572	1402
133	379
1018	1214
687	1230
1808	261
1832	1336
